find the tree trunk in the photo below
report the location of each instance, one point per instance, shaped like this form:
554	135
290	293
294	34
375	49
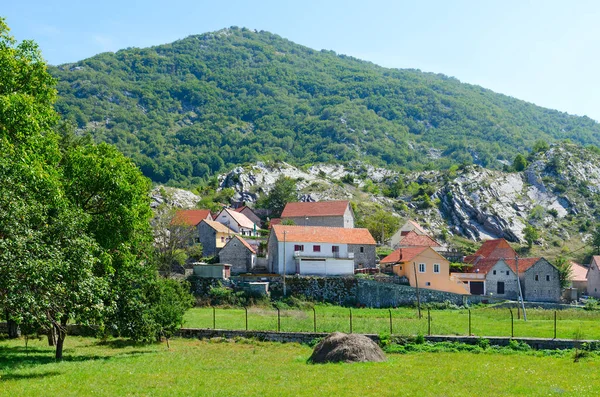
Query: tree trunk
61	333
13	328
51	336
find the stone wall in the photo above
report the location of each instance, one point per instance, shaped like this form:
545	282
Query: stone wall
237	255
365	258
547	286
208	239
328	221
501	272
200	286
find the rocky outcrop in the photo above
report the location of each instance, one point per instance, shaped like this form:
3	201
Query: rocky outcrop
172	197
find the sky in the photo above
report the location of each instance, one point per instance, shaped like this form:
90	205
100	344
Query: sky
545	52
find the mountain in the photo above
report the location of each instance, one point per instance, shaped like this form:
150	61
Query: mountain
557	194
199	106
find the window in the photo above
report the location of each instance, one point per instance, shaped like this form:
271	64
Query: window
316	248
500	287
197	239
537	278
362	249
222	239
298	247
436	267
507	272
547	277
494	272
421	268
335	248
427	283
400	267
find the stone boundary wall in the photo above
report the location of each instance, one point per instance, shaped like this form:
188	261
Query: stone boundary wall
307	337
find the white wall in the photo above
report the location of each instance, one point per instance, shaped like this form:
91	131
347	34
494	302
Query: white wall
327	267
290	263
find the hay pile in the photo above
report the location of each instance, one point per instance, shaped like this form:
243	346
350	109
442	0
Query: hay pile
348	348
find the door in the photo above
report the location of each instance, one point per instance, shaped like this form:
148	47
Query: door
476	287
500	287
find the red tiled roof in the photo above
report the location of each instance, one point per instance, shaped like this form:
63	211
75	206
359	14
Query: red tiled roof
314	234
403	254
321	208
191	217
485	265
412	239
244	243
417	226
274	221
578	272
498	248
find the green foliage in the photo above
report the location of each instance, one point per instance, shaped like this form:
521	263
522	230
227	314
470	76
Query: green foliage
187	110
565	271
519	163
283	192
596	239
377	220
171	299
540	146
531	234
592	304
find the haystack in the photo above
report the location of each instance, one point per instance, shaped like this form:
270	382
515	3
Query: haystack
349	348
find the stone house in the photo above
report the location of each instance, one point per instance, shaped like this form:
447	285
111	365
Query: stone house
322	213
213	236
193	218
593	277
237	222
424	267
540	282
322	251
239	254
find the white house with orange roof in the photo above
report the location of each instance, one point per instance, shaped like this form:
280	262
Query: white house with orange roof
237	222
324	251
579	278
409	226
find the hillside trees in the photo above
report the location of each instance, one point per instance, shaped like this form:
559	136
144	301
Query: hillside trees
283	192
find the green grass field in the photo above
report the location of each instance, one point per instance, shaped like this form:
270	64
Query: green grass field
484	321
211	368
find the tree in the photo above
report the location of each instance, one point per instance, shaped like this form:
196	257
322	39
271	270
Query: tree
171	299
596	239
519	163
283	192
173	240
565	271
381	224
531	235
540	146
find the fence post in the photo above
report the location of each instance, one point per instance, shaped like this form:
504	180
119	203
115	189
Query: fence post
512	324
470	322
314	320
278	320
428	322
391	325
246	309
350	320
214	318
518	312
555	324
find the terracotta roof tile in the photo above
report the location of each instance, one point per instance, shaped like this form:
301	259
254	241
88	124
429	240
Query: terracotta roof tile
219	227
412	239
191	217
498	248
314	234
578	272
485	265
321	208
403	254
274	221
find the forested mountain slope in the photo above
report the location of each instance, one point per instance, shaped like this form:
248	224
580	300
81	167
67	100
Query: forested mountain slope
196	107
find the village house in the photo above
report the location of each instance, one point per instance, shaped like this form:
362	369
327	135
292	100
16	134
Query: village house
325	251
192	218
424	267
579	278
540	282
237	222
322	213
250	214
213	236
239	254
412	239
409	226
593	277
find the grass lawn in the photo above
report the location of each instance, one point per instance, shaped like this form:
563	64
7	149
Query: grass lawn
484	321
210	368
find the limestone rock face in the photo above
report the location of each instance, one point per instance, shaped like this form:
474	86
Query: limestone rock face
173	198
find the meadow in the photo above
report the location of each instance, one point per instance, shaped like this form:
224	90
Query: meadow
250	368
485	321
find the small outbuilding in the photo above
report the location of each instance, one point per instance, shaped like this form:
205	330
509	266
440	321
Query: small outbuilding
239	254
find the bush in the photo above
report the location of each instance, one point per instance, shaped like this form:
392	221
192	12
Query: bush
592	304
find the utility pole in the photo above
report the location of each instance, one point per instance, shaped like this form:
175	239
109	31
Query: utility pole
417	285
284	261
519	285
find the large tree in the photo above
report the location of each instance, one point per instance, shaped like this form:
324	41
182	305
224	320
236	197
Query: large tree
283	192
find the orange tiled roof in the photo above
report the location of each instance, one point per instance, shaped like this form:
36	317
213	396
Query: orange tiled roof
274	221
244	243
219	227
578	272
498	248
314	234
321	208
403	254
417	226
485	265
412	239
191	217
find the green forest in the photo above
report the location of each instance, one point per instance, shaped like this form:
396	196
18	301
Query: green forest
190	109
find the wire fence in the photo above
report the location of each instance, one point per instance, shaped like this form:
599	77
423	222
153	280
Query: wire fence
567	324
